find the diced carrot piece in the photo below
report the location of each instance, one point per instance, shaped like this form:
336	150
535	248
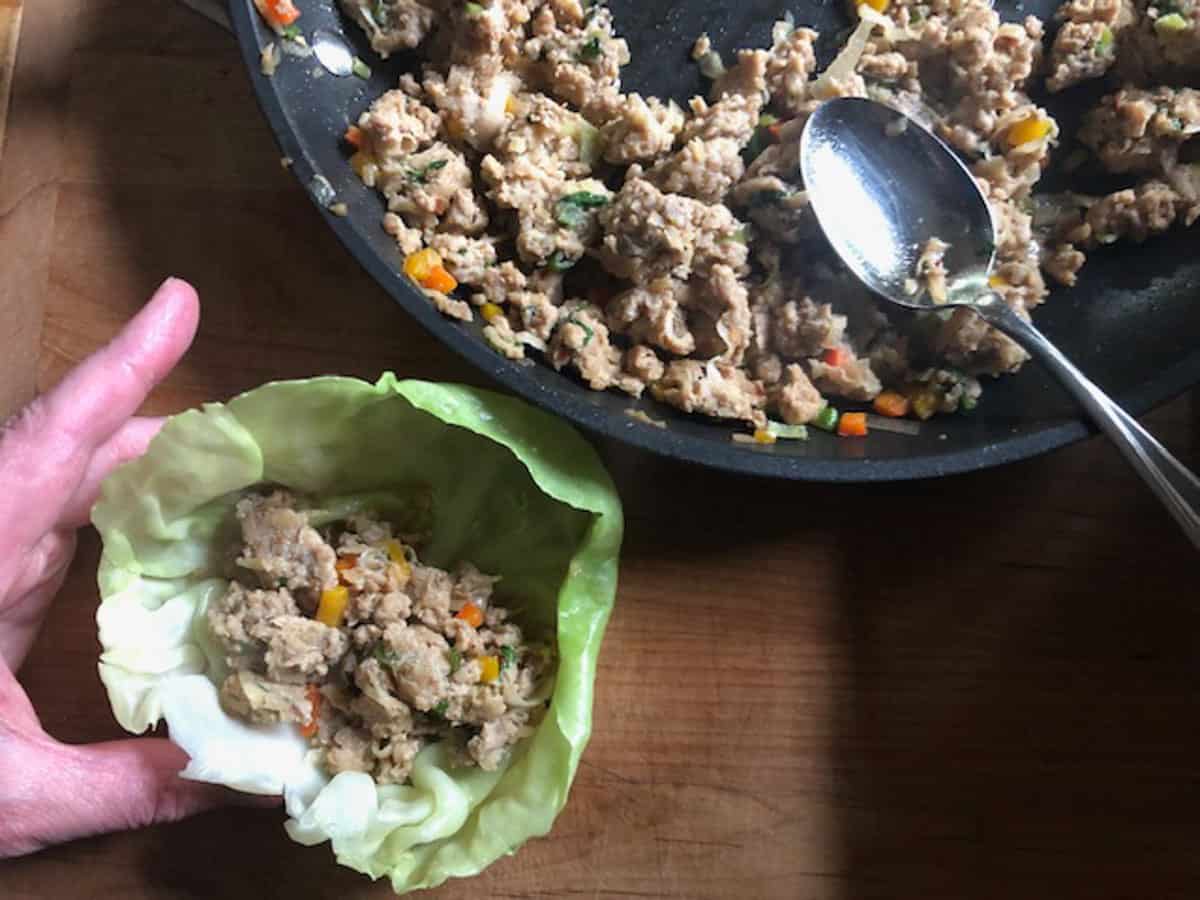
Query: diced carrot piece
471	614
775	130
354	137
891	404
440	280
309	728
852	424
280	13
835	356
345	564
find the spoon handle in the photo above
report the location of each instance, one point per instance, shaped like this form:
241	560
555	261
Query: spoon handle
1176	486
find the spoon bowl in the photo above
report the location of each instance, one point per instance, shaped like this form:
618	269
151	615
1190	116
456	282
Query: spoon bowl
882	186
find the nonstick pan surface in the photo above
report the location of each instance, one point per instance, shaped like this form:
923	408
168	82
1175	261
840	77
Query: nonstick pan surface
1132	323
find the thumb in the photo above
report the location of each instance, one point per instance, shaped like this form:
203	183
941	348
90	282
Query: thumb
69	792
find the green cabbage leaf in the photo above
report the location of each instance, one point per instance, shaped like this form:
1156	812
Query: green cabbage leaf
508	487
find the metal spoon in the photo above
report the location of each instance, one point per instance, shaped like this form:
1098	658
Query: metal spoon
881	186
333	53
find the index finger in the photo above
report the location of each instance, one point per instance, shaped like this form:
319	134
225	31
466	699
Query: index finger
103	391
46	450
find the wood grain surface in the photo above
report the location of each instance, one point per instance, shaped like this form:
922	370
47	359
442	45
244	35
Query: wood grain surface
10	31
973	688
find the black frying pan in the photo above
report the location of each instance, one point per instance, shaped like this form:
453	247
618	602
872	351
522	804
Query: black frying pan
1132	323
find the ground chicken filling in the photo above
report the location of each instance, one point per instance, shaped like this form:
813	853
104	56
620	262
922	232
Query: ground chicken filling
647	247
374	655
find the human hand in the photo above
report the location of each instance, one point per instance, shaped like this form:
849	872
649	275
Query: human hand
53	457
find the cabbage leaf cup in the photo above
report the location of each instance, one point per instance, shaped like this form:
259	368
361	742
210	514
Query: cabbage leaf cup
506	486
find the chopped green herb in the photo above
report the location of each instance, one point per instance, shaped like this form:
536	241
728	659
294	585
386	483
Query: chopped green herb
440	709
571	210
591	50
421	176
826	419
759	141
280	582
560	262
1104	45
385	655
361	69
761	138
473	10
740	236
508	657
588	331
291	33
967	403
455	660
586	199
380	10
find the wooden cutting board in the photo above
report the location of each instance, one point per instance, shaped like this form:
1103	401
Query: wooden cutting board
10	30
973	689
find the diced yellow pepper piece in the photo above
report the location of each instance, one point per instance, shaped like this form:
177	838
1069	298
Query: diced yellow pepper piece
490	311
762	436
489	669
333	606
880	6
395	552
1031	128
510	105
418	266
925	403
996	281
